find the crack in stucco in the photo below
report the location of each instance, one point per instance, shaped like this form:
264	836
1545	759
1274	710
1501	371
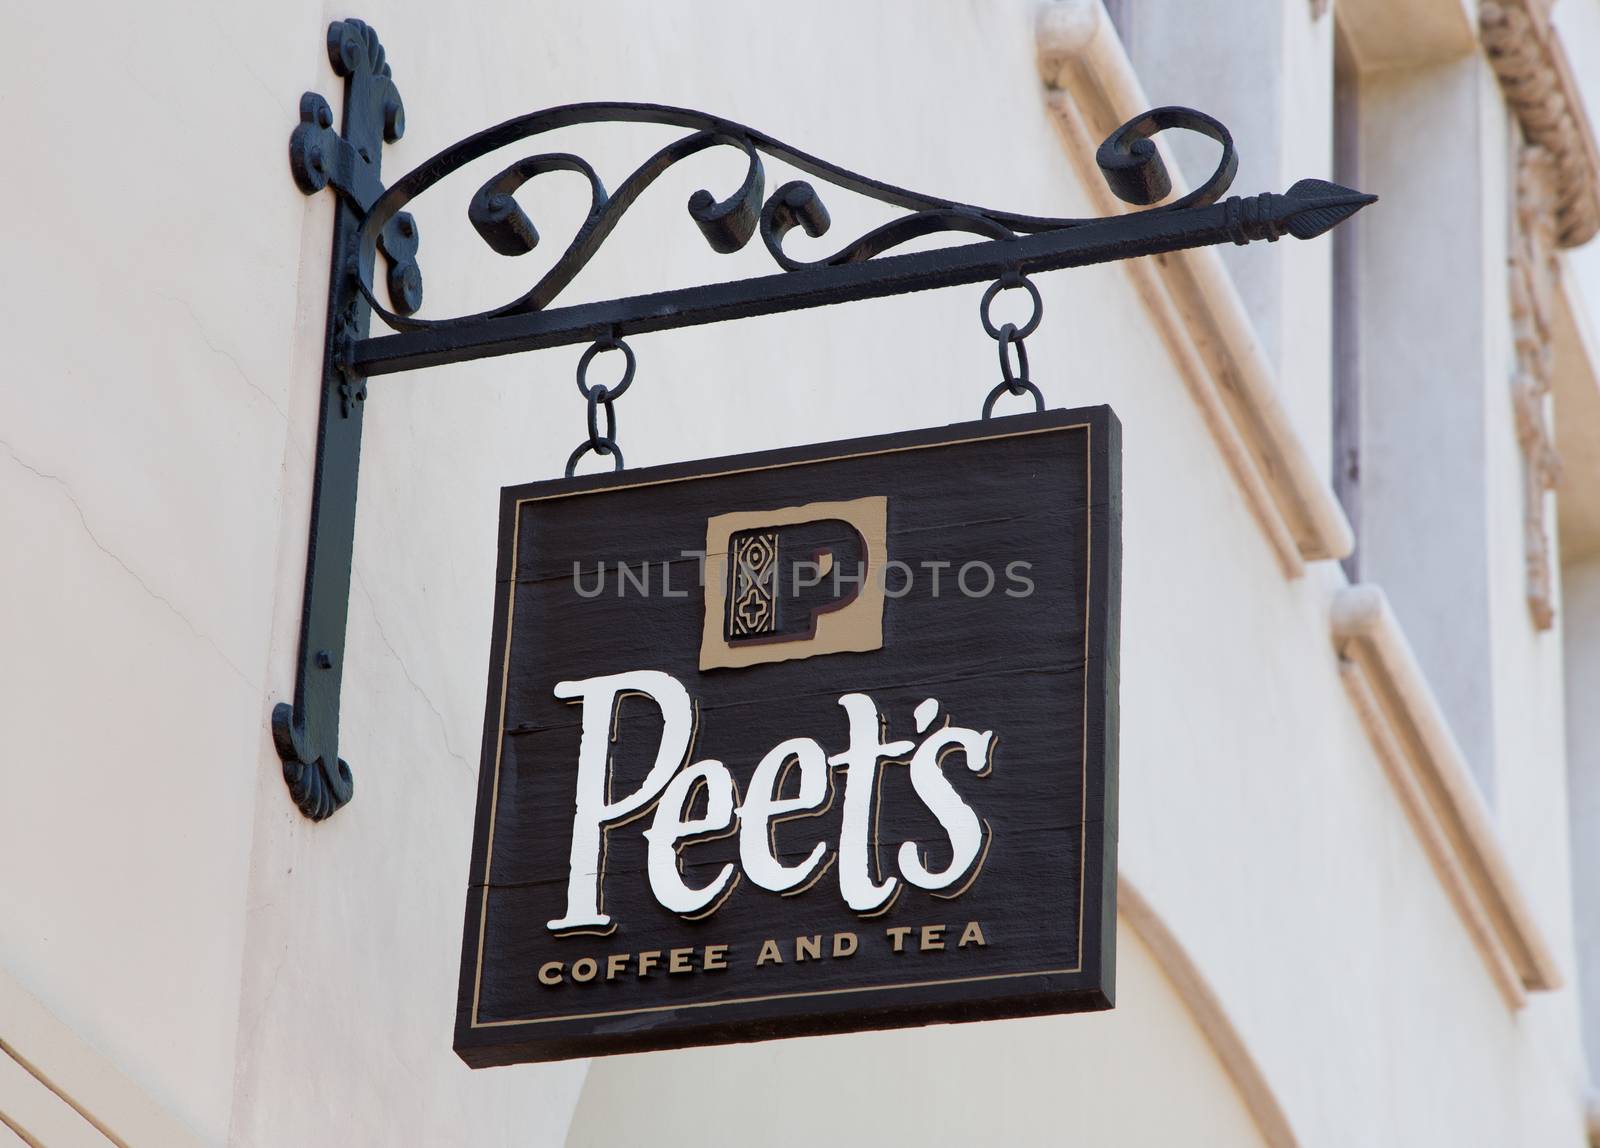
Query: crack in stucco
238	367
267	89
272	93
377	622
89	533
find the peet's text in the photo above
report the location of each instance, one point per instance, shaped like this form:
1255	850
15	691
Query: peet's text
673	783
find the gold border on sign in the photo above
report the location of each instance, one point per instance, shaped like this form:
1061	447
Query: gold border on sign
505	677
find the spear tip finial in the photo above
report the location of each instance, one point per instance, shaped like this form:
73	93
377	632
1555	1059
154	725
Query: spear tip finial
1318	206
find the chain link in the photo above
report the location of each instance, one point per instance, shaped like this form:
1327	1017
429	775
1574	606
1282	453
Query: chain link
1008	338
599	396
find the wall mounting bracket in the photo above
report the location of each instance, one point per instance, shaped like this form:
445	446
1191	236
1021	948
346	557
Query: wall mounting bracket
371	220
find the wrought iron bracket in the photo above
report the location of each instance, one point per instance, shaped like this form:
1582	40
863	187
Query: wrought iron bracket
307	733
371	221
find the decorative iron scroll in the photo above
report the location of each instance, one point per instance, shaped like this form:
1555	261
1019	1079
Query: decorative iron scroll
1132	165
370	220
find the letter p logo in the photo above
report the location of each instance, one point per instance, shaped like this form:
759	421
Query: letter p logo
794	582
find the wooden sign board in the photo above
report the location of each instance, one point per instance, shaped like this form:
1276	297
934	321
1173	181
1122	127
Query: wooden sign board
808	741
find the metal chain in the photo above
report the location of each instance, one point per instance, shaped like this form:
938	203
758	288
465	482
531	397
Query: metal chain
599	395
1013	380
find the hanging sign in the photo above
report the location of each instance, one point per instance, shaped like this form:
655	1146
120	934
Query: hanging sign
807	741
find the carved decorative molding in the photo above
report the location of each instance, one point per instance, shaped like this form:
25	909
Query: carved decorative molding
1436	788
1557	205
1535	274
1526	53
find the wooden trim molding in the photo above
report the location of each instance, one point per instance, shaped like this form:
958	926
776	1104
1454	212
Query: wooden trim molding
1204	1006
1435	786
55	1090
1526	54
1195	307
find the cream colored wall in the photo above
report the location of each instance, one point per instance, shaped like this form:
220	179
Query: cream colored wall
150	314
944	1085
274	982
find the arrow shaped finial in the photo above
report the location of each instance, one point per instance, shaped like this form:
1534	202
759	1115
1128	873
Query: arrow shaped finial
1317	206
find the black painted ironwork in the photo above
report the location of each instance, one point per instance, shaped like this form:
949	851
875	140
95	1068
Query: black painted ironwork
307	733
1010	341
371	220
599	396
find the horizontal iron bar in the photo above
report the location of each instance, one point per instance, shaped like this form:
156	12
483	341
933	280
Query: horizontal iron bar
1120	237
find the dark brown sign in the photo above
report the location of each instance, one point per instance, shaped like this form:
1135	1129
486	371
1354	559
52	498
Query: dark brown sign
807	741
